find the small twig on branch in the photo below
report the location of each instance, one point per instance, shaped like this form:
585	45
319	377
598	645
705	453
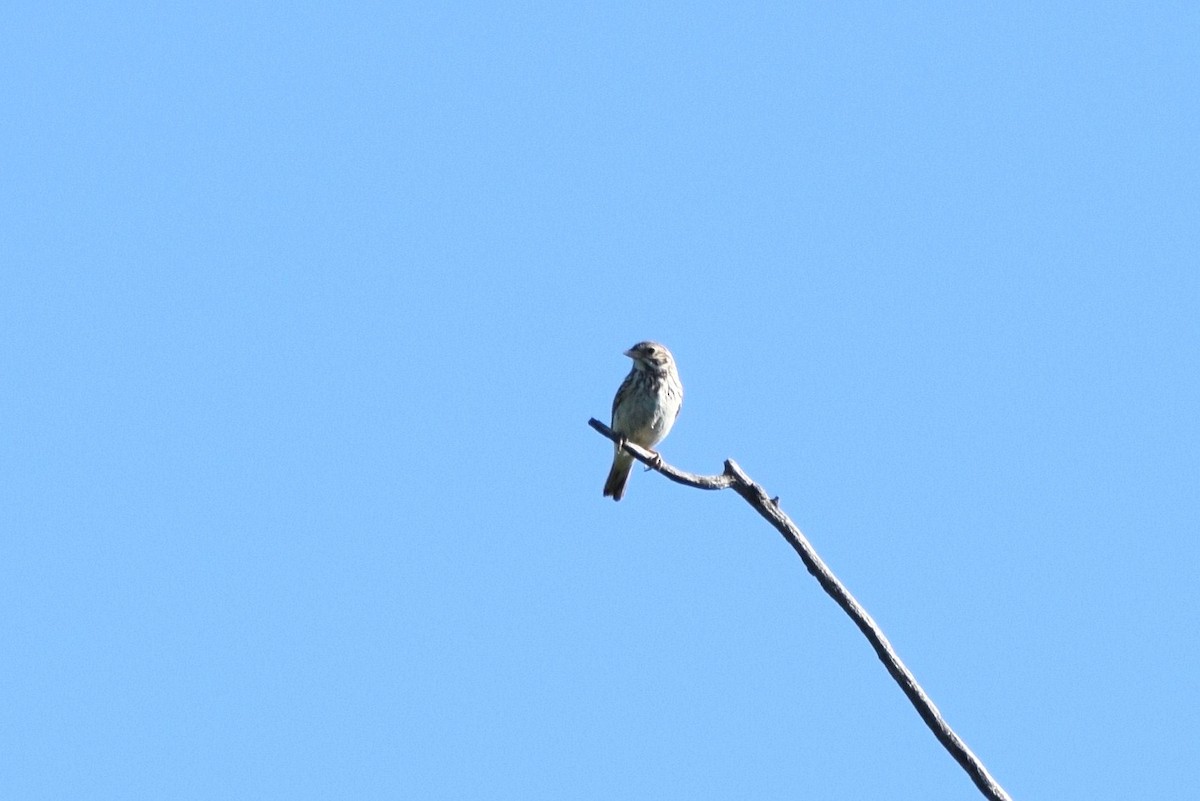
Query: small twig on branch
734	477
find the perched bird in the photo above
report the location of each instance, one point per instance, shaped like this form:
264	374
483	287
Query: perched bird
645	408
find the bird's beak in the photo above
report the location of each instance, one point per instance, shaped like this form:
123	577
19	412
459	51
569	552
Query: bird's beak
629	353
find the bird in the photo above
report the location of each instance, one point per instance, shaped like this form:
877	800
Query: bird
644	409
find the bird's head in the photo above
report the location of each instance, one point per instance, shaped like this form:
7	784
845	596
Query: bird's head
650	356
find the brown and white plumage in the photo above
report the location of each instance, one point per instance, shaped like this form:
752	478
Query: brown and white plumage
644	409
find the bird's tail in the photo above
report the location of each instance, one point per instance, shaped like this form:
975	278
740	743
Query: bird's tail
622	466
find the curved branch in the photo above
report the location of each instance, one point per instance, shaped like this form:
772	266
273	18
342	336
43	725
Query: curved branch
655	462
753	493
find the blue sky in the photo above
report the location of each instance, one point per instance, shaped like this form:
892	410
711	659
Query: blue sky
305	309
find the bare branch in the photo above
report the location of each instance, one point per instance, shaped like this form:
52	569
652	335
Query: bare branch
654	461
768	507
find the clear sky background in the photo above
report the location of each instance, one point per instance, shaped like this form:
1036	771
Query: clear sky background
304	309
